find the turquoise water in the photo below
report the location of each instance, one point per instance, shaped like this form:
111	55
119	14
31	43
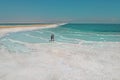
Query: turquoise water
68	33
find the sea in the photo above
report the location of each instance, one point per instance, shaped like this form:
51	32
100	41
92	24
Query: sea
67	33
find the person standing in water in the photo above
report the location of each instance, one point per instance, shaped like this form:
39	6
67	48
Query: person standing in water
52	37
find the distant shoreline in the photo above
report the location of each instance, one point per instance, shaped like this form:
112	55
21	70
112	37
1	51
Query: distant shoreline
23	26
16	28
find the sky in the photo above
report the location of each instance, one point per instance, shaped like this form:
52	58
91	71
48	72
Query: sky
76	11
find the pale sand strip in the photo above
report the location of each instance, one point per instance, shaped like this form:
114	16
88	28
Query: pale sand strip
18	26
6	29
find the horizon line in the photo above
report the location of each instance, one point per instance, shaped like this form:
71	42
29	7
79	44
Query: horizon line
58	22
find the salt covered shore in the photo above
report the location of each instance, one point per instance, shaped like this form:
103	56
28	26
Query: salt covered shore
61	61
58	61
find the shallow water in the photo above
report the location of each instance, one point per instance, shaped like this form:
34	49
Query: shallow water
68	33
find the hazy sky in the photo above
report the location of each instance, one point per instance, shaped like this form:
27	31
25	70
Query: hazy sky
107	11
